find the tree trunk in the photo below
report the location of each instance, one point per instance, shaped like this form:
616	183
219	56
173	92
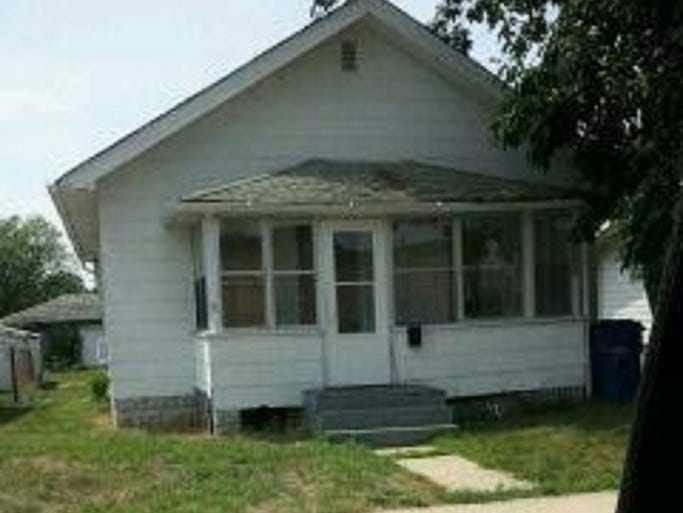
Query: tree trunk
651	475
652	279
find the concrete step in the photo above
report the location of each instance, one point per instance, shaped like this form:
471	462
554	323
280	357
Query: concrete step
390	436
360	397
378	415
369	418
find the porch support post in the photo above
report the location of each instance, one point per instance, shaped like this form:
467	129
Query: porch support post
585	312
529	265
211	248
459	273
267	252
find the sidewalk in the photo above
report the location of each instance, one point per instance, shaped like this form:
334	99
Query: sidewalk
589	503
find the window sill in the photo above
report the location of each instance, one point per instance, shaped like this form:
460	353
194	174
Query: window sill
492	323
230	333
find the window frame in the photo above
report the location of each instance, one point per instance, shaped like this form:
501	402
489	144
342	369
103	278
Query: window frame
452	269
524	309
260	272
268	274
272	273
527	268
576	265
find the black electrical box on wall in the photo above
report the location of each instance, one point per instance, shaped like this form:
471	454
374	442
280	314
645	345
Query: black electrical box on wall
415	336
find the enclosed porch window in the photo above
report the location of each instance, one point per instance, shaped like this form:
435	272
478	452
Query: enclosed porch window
424	272
268	274
492	265
557	264
486	266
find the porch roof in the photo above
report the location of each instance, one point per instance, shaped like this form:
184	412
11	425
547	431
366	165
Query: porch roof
329	184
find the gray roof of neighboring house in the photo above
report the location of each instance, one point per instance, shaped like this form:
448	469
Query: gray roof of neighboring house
324	182
69	308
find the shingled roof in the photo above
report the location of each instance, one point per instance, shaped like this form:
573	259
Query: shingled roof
329	183
69	308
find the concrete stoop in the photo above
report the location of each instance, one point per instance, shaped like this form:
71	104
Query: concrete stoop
378	415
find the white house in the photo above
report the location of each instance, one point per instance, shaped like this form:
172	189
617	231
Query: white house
620	295
280	230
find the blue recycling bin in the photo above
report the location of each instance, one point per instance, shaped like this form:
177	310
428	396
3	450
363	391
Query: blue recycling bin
616	347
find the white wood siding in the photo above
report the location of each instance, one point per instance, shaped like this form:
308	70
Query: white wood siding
620	296
253	370
393	108
479	359
5	369
93	345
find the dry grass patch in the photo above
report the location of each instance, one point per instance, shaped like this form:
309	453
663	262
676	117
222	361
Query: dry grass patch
63	456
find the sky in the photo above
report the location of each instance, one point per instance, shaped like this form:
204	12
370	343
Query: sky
76	75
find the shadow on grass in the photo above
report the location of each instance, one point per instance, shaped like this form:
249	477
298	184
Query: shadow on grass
11	413
49	385
589	417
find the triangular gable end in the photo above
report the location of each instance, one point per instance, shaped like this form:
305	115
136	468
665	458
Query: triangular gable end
449	62
73	193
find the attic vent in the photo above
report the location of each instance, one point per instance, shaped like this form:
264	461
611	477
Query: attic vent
349	56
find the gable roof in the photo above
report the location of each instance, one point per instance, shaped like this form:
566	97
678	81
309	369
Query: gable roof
388	15
73	193
402	186
68	308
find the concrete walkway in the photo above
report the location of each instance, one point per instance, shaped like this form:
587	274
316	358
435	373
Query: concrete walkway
589	503
458	474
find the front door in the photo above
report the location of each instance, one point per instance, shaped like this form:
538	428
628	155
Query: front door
357	347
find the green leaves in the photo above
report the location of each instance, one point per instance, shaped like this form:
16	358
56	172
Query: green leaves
34	264
597	83
599	80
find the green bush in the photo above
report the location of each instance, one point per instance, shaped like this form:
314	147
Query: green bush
99	386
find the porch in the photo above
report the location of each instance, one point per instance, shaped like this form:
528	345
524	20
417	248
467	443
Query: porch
314	277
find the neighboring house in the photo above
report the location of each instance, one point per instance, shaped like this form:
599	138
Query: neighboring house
619	294
83	311
287	227
20	359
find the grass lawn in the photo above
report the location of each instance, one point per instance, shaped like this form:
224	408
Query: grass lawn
63	456
572	449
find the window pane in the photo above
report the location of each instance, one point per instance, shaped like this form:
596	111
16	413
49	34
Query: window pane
243	301
555	259
492	266
241	247
201	309
356	308
353	256
293	248
423	244
295	300
424	297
